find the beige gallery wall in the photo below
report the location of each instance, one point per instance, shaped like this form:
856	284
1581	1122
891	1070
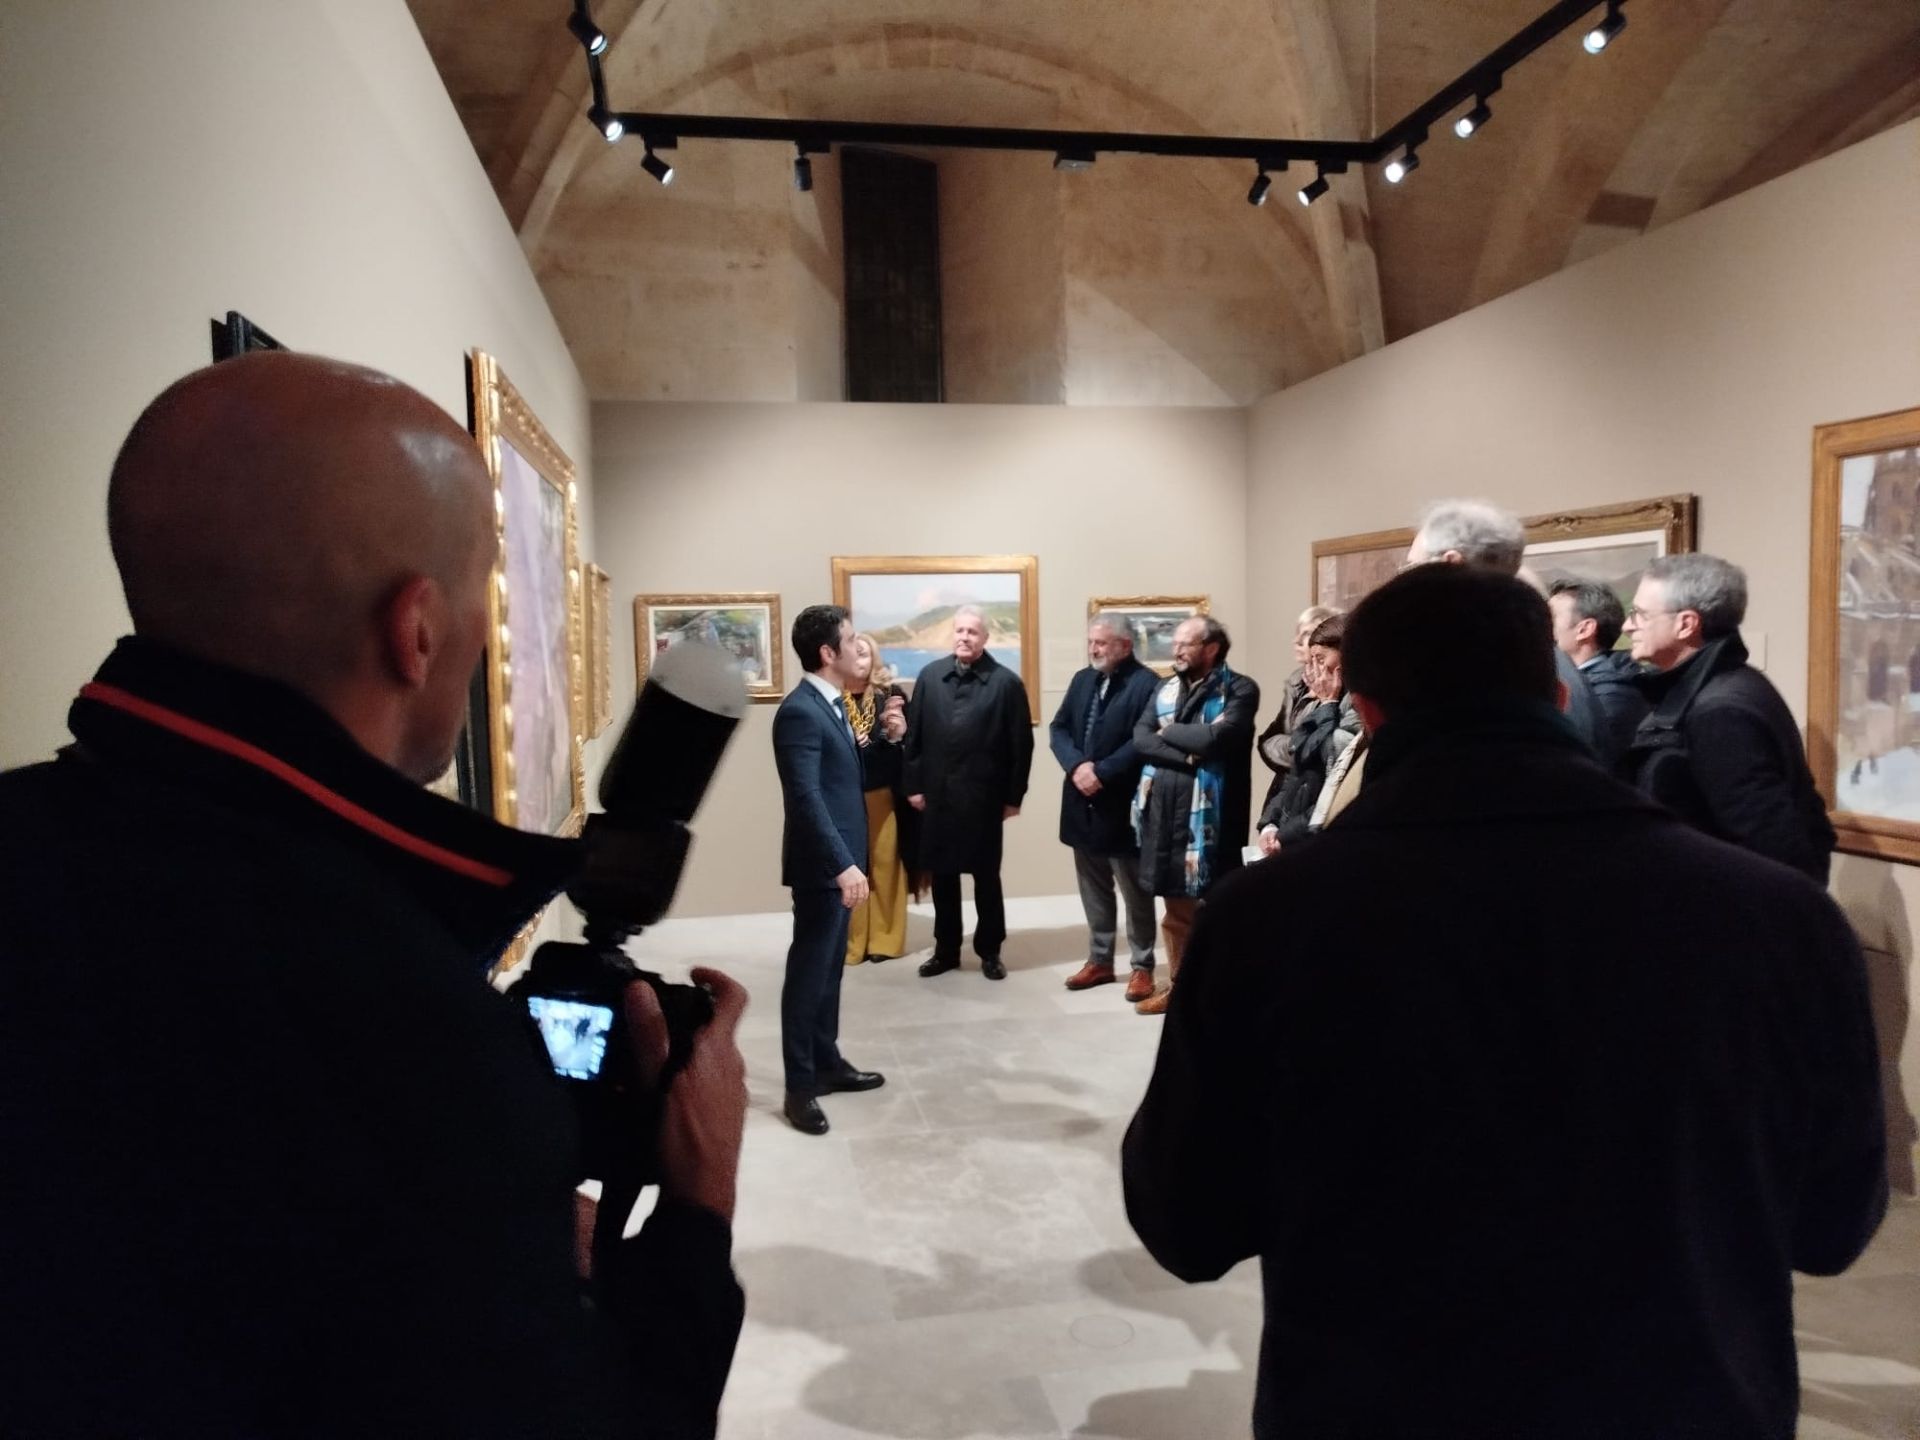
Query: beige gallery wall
1698	358
162	164
734	497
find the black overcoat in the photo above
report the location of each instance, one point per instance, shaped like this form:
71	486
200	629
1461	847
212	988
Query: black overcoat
1176	753
969	752
1102	824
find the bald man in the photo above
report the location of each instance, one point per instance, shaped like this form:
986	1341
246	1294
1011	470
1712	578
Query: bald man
278	1159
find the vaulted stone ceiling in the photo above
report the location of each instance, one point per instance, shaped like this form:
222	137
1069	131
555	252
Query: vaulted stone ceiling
1143	280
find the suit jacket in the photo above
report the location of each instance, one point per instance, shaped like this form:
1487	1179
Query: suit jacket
1550	1183
1103	824
823	788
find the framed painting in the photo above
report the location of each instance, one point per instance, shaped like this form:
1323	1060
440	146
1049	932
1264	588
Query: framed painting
1151	619
535	665
746	626
599	651
1863	635
907	602
1609	543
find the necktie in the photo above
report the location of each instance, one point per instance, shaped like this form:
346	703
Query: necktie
840	709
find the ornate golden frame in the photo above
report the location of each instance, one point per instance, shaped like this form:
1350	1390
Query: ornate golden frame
1858	833
501	417
599	651
1027	567
770	693
1193	604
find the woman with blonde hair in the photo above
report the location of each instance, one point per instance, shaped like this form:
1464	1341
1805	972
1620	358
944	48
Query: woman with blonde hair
877	710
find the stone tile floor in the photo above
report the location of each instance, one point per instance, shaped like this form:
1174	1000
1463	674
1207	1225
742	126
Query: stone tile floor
953	1260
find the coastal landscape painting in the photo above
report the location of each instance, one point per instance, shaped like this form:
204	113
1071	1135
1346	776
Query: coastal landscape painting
908	603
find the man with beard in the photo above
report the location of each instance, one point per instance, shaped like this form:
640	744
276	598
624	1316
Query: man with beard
969	753
1191	808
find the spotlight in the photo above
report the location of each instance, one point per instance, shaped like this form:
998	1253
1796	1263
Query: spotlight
587	33
1468	125
656	167
1601	35
1073	160
802	172
1314	189
607	123
1262	183
1398	170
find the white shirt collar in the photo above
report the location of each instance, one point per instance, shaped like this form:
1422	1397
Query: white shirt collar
825	686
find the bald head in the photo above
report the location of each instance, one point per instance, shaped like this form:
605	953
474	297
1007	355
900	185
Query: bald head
270	512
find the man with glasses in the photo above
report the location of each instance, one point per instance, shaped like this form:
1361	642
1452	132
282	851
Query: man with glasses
1719	747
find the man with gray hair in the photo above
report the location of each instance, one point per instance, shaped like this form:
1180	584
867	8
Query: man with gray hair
1719	748
1092	738
1480	533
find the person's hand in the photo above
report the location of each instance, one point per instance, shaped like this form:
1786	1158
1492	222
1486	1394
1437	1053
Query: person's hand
1009	811
1084	780
706	1108
894	721
1270	841
919	802
853	886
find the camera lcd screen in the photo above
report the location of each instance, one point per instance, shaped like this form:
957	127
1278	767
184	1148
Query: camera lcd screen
575	1031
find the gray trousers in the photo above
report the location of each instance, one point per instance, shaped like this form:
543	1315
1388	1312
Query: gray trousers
1099	875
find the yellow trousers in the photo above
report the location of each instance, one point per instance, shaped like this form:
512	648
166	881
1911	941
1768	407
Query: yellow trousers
878	925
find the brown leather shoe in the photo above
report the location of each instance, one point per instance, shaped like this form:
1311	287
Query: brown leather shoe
1155	1004
1139	986
1089	975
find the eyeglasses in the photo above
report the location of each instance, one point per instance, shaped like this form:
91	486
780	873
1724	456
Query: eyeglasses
1636	613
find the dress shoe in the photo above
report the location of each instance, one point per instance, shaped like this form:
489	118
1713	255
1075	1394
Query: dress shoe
1155	1004
805	1115
851	1079
991	967
938	964
877	959
1139	986
1089	975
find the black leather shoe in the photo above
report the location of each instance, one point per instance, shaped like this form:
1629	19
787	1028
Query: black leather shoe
939	964
851	1079
991	967
805	1115
879	959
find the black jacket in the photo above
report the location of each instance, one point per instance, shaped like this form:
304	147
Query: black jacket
1320	737
278	1160
822	789
1176	753
1720	750
1101	825
1273	746
1613	680
1506	1175
970	752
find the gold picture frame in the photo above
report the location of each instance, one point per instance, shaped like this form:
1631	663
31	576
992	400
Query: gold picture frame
1148	618
1562	542
906	599
599	651
746	624
536	671
1863	630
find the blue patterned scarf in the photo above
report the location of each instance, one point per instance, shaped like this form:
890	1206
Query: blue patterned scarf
1209	780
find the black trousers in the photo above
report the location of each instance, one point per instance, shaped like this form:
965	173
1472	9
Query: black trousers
810	998
991	931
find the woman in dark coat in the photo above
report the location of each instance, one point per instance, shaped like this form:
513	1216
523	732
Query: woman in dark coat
1319	739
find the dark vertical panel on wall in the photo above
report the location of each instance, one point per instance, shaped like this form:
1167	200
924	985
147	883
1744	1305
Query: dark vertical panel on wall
891	223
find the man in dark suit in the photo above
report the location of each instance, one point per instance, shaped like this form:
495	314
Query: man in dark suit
820	857
1587	620
1092	738
1553	1185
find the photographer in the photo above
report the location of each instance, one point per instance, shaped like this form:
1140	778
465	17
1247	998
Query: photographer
279	1161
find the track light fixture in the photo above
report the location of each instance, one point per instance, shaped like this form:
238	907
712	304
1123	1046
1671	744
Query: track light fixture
1408	162
1468	125
1314	188
586	32
1601	35
607	123
656	167
802	171
1257	194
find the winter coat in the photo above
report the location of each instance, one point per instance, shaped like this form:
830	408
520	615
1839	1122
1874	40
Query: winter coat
1101	824
1319	740
1175	753
969	752
1613	681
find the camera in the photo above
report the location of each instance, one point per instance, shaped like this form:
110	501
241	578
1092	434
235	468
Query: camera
631	858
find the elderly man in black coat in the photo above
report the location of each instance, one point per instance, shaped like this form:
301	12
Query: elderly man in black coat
1092	738
969	755
1195	797
1719	747
1507	1176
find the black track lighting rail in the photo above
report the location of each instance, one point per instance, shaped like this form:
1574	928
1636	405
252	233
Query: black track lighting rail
1077	149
